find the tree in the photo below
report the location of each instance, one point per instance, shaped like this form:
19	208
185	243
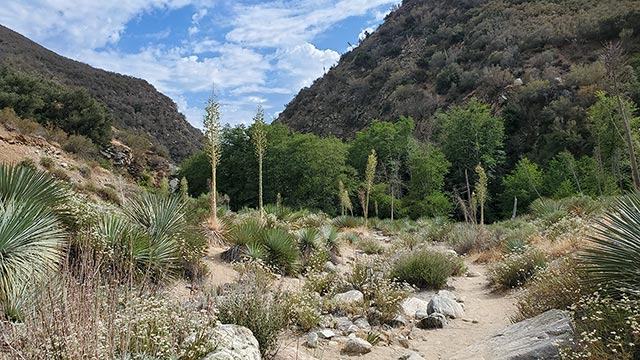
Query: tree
213	134
470	135
341	191
372	163
481	190
259	138
427	170
615	63
395	182
524	182
196	170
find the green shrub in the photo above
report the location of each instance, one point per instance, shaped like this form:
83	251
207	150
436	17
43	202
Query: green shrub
345	222
305	310
251	304
516	269
427	268
557	287
466	238
47	162
324	283
370	246
28	163
110	195
282	252
81	146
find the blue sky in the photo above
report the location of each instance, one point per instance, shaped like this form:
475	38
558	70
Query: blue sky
255	52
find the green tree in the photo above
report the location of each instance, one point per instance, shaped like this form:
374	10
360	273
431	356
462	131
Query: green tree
470	135
427	169
196	170
524	183
259	138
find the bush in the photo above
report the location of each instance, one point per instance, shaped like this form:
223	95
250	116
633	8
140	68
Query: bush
427	268
370	246
81	146
466	238
47	162
516	269
59	174
557	287
251	304
110	195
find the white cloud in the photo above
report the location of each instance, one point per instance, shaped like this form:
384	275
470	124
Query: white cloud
304	63
276	24
195	21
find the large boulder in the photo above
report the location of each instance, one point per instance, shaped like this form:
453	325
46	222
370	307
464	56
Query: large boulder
349	297
444	302
357	346
412	305
234	342
433	321
535	338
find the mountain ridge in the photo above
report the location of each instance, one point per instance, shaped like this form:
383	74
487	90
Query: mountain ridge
132	102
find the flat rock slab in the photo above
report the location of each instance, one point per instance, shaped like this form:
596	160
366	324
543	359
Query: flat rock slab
531	339
234	343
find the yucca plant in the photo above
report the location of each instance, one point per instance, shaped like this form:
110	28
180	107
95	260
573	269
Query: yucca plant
614	263
308	241
332	242
241	235
282	251
31	243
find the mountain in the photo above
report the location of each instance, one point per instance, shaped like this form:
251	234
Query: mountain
133	103
533	61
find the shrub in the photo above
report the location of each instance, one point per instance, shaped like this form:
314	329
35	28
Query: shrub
282	252
47	162
344	222
28	163
28	127
60	174
110	195
606	328
557	287
305	310
251	304
81	146
426	268
465	238
516	269
370	246
324	283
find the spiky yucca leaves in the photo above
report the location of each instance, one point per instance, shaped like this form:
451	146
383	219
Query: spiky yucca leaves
308	241
282	250
614	263
240	236
31	242
332	242
28	185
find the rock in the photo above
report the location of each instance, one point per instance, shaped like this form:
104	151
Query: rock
411	356
398	321
473	274
518	82
403	341
412	305
351	330
362	323
330	267
374	315
349	297
535	338
291	353
326	334
443	303
355	346
421	314
433	321
312	340
343	324
234	342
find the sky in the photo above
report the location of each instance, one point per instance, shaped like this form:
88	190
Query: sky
253	52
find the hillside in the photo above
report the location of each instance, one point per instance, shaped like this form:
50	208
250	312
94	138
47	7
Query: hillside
533	61
132	103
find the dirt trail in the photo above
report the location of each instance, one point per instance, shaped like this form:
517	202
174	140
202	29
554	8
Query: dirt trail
485	314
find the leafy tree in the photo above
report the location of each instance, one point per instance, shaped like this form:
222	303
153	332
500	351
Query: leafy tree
427	168
259	138
470	135
524	183
196	170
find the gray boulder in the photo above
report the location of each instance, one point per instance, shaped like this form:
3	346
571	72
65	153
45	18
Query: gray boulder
343	324
349	297
234	342
433	321
312	340
535	338
397	322
326	334
362	323
356	346
444	303
411	356
412	305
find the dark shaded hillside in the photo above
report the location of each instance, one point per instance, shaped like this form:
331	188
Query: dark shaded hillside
531	60
133	103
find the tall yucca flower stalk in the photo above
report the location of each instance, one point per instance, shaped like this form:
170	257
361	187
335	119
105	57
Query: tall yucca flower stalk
481	190
372	163
341	196
213	134
259	137
614	263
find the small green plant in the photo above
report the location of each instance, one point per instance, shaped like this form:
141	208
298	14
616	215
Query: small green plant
427	268
81	146
28	163
110	195
373	338
370	246
47	162
516	269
